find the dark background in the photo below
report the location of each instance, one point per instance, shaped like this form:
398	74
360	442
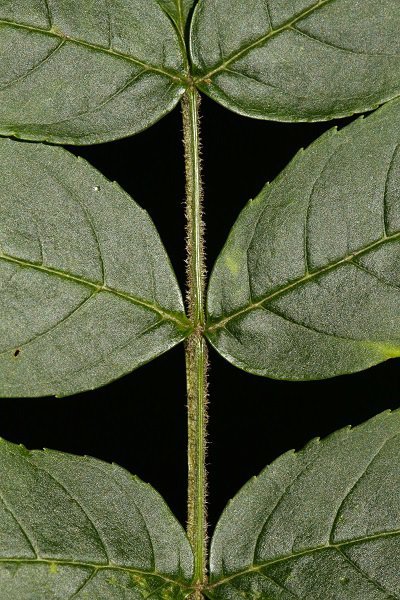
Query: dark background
140	421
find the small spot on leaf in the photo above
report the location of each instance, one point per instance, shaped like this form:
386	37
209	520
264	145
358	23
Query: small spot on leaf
17	353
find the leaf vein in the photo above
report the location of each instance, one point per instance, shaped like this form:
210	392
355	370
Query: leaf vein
277	505
88	579
53	327
166	315
98	468
268	11
87	215
35	68
309	327
181	16
49	12
156	590
95	363
150	261
109	24
354	486
273	32
96	566
174	75
221	322
386	222
282	587
307	249
18	522
101	104
267	84
337	47
374	275
366	575
307	552
69	494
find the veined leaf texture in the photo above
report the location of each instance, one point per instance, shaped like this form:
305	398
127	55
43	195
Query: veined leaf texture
87	292
308	283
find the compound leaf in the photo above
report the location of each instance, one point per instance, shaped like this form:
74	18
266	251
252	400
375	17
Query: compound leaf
322	524
291	60
86	72
74	527
308	283
87	293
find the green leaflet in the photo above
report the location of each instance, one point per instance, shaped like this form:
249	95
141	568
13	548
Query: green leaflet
79	528
321	524
178	10
87	293
291	60
86	72
308	283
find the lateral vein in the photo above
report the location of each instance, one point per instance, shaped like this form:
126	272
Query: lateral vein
329	546
301	280
271	33
96	566
97	287
54	33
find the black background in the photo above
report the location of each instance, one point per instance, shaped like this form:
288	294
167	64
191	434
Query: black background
140	421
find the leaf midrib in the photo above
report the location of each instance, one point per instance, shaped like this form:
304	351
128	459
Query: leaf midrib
174	75
220	323
97	567
272	33
183	323
307	552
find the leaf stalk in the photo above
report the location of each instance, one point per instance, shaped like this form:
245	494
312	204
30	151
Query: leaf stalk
196	348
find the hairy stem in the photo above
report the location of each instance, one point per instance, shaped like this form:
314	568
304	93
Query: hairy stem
196	348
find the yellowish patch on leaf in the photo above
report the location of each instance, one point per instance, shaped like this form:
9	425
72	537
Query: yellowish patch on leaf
232	264
386	350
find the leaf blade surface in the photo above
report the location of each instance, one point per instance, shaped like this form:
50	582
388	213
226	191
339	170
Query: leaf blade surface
87	293
86	74
76	527
303	60
307	285
322	523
